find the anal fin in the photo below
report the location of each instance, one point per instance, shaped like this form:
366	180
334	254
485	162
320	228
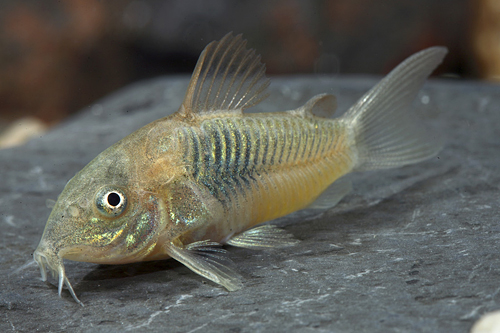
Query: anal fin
207	259
263	237
332	195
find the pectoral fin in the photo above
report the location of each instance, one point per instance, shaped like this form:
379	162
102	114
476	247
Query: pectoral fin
206	259
263	237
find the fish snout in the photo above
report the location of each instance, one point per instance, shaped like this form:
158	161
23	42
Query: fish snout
49	260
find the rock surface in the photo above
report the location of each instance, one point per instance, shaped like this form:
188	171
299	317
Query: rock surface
413	249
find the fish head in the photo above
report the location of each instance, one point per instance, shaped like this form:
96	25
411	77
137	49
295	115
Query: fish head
100	217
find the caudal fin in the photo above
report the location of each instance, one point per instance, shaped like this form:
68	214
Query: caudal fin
385	135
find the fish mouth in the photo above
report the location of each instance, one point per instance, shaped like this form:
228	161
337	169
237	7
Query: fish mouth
54	264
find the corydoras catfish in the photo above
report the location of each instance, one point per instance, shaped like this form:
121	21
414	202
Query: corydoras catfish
210	174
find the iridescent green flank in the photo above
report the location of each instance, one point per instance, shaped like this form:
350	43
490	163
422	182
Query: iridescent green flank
228	154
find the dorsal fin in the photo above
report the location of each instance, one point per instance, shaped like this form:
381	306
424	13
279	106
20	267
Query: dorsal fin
322	105
228	77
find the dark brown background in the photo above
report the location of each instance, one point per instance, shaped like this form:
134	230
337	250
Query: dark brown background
59	56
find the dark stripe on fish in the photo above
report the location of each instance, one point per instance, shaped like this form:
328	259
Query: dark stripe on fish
228	155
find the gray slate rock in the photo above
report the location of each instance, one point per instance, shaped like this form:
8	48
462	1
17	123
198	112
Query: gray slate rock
415	249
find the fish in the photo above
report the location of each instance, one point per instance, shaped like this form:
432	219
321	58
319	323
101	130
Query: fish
211	175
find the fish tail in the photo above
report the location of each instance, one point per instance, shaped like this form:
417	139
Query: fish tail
385	134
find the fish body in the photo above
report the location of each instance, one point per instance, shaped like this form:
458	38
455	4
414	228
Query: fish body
204	176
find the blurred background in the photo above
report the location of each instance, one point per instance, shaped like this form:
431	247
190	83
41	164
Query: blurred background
59	56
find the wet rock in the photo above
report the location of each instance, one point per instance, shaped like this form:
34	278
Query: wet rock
410	249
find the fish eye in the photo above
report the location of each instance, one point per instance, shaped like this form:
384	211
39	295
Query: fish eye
114	199
110	202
